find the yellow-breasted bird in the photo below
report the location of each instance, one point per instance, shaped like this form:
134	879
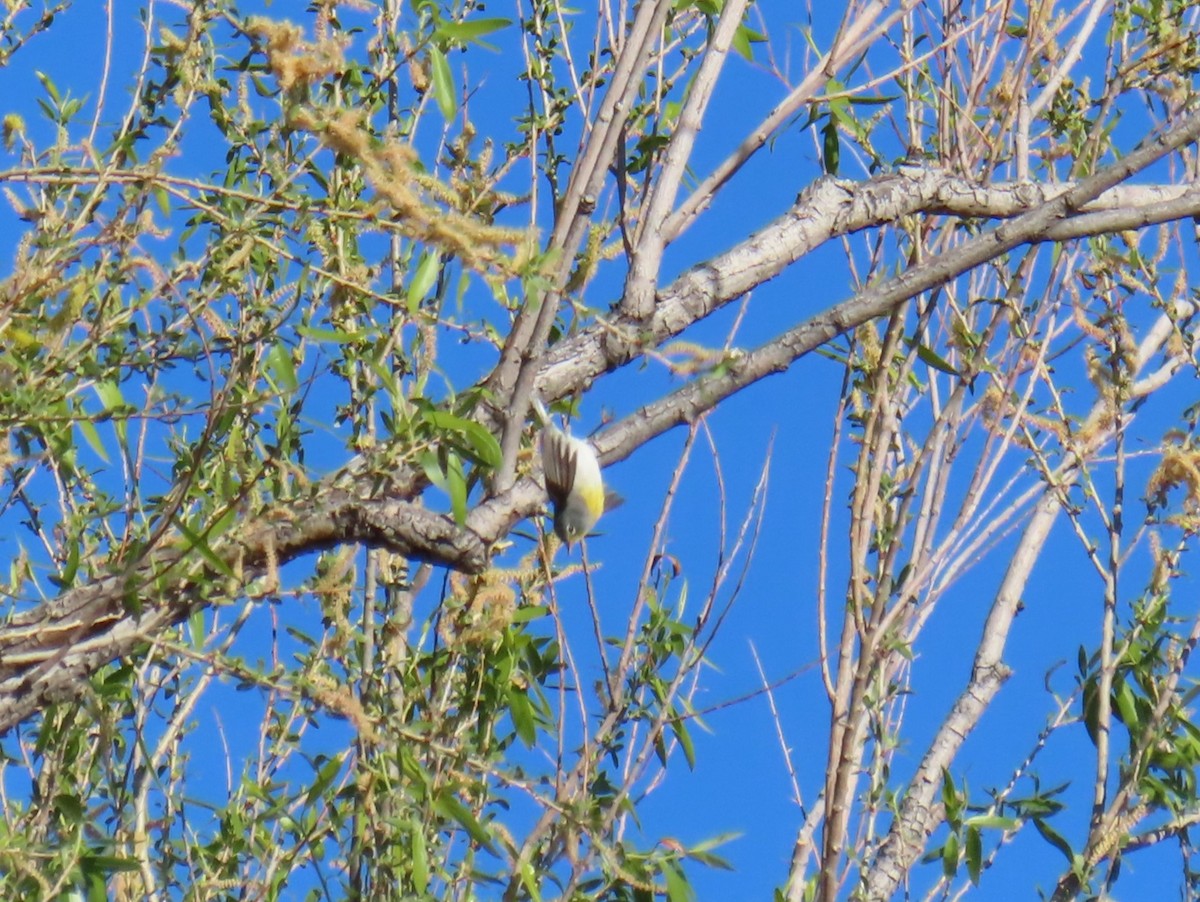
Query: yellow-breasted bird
573	483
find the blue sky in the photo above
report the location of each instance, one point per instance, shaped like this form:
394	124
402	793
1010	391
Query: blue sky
740	784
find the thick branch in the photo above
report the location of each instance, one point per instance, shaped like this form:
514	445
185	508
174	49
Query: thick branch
48	653
513	379
646	263
829	209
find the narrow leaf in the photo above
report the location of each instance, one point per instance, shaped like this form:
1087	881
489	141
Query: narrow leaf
832	147
523	720
279	363
991	822
472	30
456	485
448	806
931	358
974	855
92	436
197	541
423	279
1055	839
443	82
678	889
679	728
950	856
420	857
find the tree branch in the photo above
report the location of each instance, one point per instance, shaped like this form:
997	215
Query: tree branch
646	263
513	379
49	653
832	208
920	812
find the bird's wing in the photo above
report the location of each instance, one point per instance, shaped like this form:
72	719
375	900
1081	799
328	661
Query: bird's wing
558	462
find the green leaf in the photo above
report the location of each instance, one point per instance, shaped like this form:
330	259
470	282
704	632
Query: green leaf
839	110
529	612
529	880
447	805
678	889
162	199
423	279
702	851
196	628
110	396
1037	806
432	467
1055	839
469	31
49	85
281	368
873	101
974	855
679	728
744	39
335	336
933	359
1091	709
660	749
97	888
108	864
1126	703
92	436
69	808
950	799
832	147
456	485
420	857
950	855
481	445
197	542
991	822
521	711
443	82
326	774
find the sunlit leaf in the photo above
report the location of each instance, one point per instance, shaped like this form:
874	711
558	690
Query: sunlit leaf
420	857
92	436
469	31
447	805
974	855
950	855
423	279
456	486
281	367
443	82
678	888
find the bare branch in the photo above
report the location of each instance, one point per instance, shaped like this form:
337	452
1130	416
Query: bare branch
646	261
831	208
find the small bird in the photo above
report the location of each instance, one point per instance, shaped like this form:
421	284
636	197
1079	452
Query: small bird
573	483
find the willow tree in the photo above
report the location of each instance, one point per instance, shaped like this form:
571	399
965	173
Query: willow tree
283	299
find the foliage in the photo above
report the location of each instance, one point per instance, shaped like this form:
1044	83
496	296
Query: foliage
285	299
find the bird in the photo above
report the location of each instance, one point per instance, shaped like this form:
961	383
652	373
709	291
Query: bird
573	483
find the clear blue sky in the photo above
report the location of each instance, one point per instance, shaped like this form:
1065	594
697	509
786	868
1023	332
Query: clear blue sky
740	784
